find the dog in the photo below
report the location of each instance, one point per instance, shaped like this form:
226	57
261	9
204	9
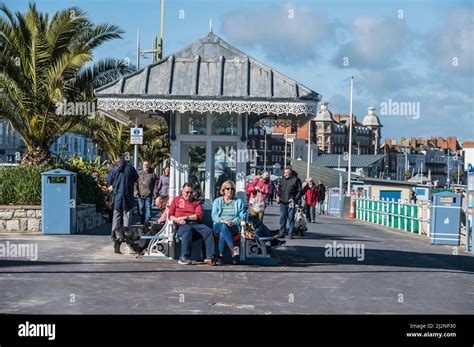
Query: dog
301	223
132	237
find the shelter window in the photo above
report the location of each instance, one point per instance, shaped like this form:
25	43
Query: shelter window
224	124
194	124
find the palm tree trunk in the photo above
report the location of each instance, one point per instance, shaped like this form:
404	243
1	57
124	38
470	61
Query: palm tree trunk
36	156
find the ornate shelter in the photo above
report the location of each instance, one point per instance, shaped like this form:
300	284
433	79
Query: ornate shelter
209	94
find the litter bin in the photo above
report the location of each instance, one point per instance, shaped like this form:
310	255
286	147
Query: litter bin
445	219
58	202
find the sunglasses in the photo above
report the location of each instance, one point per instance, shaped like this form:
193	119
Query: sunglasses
188	192
229	188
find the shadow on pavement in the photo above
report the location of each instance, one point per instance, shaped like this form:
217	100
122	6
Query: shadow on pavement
296	257
301	256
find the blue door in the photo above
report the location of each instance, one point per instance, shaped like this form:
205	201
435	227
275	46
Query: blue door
390	194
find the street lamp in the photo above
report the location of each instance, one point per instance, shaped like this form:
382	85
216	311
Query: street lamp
309	148
265	152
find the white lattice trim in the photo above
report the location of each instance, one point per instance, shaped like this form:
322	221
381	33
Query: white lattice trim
221	106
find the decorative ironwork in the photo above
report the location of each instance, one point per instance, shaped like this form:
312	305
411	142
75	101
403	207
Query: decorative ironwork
221	106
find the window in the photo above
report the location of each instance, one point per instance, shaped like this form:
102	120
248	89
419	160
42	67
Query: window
193	124
224	162
1	133
224	124
76	145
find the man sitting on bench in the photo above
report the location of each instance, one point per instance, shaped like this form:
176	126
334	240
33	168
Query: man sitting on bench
186	212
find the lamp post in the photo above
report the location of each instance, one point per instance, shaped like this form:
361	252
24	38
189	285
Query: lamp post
449	169
350	142
309	149
265	152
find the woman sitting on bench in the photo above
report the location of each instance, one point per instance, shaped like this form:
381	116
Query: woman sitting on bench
227	213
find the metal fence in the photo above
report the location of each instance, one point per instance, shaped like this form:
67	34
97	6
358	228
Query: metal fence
399	215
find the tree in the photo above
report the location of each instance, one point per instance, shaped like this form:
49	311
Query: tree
42	65
111	137
407	175
155	146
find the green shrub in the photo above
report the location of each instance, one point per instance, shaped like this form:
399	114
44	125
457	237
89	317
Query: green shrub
21	185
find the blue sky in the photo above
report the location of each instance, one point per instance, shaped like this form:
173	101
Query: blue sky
419	52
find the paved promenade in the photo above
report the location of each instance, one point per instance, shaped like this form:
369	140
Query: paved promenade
395	273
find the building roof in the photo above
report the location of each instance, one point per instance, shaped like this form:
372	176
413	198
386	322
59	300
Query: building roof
324	114
329	177
382	181
340	160
371	119
468	144
210	69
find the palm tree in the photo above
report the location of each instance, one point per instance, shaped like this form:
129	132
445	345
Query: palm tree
111	137
43	61
155	146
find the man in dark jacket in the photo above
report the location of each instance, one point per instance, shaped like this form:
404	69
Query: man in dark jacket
288	197
144	191
122	178
322	196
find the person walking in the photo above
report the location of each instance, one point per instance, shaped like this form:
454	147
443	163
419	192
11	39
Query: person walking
258	195
288	197
311	195
144	189
122	178
322	197
271	193
162	185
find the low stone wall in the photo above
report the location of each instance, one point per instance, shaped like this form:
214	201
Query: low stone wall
28	218
88	218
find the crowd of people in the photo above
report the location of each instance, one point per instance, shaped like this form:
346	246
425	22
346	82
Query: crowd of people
228	212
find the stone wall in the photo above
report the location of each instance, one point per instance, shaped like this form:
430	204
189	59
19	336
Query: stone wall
28	218
88	218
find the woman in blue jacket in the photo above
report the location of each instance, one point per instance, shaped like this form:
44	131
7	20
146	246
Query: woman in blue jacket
227	213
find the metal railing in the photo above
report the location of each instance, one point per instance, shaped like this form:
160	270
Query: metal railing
400	215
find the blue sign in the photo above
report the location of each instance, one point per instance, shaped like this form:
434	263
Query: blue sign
136	131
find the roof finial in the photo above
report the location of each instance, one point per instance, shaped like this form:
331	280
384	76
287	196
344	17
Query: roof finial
210	25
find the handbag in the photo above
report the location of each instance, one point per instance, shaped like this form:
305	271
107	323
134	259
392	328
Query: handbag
257	204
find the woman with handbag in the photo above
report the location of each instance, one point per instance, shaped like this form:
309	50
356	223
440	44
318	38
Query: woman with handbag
258	195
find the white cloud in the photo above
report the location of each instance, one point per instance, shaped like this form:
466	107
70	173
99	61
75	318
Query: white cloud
452	42
376	42
285	34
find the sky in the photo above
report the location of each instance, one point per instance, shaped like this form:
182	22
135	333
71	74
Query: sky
412	60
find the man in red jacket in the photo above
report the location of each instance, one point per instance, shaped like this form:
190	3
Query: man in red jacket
312	198
186	212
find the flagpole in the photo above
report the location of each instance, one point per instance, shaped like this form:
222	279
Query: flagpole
349	165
